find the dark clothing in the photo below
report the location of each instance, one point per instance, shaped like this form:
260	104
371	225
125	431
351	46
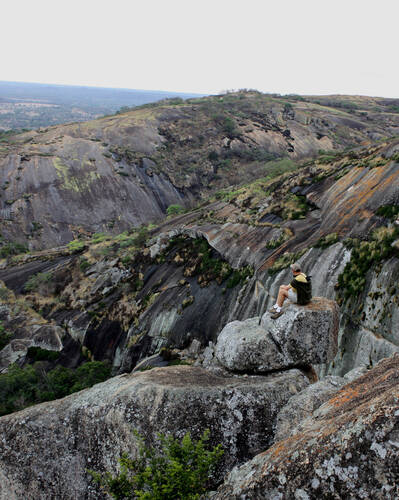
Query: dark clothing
303	290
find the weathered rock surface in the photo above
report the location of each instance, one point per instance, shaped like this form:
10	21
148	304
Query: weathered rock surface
45	449
348	449
302	335
302	405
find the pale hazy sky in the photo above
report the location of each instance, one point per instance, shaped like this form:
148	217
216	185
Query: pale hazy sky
284	46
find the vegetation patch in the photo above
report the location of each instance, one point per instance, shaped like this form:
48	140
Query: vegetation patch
39	354
8	248
5	337
326	241
172	469
294	207
286	260
388	211
175	210
38	281
76	246
284	236
365	254
22	387
201	260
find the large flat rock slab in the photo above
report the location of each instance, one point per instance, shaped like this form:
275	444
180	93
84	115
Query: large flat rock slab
45	449
347	449
303	335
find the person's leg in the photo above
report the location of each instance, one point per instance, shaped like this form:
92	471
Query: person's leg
282	295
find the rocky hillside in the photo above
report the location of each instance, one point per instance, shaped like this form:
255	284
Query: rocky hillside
192	290
122	298
117	172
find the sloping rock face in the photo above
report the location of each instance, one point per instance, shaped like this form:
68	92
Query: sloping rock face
347	449
235	230
302	335
302	405
45	449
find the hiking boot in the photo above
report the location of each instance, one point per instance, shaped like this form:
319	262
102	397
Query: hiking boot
276	314
272	310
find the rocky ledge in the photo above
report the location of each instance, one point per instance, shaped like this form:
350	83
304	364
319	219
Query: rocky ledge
303	335
347	449
46	449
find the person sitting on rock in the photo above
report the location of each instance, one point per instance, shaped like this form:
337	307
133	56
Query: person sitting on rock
299	291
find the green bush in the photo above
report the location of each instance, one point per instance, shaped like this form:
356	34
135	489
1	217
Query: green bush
22	387
37	280
84	264
5	337
76	246
327	240
39	354
11	248
141	237
174	470
388	211
99	238
364	255
175	210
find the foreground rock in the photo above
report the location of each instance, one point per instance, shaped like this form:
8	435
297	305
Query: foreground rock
302	405
302	335
46	448
348	449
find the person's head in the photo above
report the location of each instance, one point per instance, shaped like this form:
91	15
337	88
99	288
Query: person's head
295	268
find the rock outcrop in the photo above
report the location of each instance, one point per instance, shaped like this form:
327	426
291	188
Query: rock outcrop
28	330
347	449
45	449
302	405
303	335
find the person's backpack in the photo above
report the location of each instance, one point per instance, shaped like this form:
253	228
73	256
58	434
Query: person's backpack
303	290
308	294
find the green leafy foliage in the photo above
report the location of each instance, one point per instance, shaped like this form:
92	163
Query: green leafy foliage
173	470
84	264
22	387
327	240
5	337
294	207
76	246
39	354
99	238
8	248
388	211
175	210
37	281
364	255
282	238
200	259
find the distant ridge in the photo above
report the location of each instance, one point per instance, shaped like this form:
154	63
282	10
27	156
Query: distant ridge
33	105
